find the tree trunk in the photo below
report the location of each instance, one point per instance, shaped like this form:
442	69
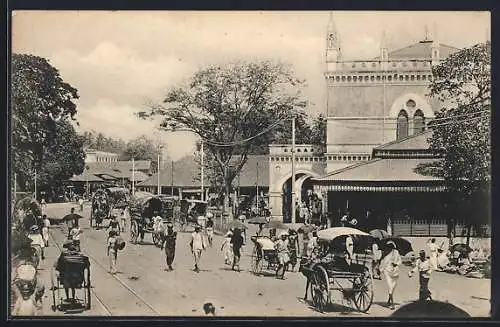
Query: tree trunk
469	227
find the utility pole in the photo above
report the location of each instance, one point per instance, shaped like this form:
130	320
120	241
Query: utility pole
293	171
172	181
15	187
257	186
133	176
35	185
160	147
202	171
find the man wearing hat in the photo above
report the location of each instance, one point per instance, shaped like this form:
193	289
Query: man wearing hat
197	245
168	243
423	266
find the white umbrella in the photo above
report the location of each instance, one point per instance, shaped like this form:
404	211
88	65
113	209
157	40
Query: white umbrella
334	232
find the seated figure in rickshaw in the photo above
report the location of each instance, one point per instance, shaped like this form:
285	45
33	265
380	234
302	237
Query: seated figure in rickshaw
71	274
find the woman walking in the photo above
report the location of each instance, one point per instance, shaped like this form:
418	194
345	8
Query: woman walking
112	251
433	249
227	249
390	266
45	230
237	242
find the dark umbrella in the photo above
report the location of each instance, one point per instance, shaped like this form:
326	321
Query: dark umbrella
257	220
379	234
307	228
460	247
71	216
236	224
403	246
430	309
276	224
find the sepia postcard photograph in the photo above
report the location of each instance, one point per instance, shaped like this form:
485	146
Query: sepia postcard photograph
250	164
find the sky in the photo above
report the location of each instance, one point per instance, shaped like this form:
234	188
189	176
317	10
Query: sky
122	60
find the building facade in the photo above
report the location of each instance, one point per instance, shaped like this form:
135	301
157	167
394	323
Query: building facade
369	103
100	156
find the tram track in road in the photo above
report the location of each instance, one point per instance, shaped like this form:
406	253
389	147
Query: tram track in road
124	285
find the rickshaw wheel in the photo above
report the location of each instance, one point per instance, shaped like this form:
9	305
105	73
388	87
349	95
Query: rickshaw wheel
134	232
88	289
257	260
320	288
363	291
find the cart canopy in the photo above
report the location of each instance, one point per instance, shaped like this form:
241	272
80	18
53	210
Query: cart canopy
266	243
144	205
332	233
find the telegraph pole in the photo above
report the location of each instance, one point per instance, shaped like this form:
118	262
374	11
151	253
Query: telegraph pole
172	182
257	187
133	176
202	171
35	184
15	187
293	171
160	147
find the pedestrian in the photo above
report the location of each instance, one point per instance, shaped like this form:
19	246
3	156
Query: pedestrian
123	217
210	228
390	266
43	204
260	231
293	249
281	247
227	248
313	244
112	251
242	218
75	235
197	245
424	268
377	256
69	223
237	243
168	244
45	230
114	225
433	253
37	240
80	203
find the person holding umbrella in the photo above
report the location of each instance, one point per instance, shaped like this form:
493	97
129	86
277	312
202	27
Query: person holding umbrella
389	266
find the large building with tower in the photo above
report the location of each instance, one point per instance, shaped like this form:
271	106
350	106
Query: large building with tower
369	103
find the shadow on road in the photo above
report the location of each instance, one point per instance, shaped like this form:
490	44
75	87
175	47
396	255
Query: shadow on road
330	308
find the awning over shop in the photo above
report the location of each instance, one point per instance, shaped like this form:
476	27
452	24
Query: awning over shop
379	188
380	170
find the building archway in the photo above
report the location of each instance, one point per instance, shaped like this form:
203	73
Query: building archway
303	182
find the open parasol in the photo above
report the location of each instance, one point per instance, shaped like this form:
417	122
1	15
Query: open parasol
236	224
257	220
71	217
430	309
460	247
379	234
403	246
334	232
276	224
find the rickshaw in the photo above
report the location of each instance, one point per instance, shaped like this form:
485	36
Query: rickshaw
192	212
342	263
105	201
263	252
144	206
74	272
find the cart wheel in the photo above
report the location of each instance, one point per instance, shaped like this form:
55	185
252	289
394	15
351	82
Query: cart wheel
257	260
88	285
320	288
363	291
53	288
134	232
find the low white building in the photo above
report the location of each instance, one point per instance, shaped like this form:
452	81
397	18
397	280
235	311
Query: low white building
100	156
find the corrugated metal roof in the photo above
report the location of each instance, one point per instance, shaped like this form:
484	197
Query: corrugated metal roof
381	170
421	50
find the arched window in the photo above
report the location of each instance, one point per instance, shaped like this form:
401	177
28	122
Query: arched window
418	122
402	130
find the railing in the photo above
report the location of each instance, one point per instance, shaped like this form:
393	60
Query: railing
436	228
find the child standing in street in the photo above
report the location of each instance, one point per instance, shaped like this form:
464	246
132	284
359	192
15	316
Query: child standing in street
227	249
112	251
424	268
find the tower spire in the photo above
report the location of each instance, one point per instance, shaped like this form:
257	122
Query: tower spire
426	33
333	50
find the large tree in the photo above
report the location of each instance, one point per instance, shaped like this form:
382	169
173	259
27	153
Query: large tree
41	103
232	108
461	130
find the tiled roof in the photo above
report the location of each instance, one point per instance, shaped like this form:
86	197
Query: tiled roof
187	170
421	50
119	165
381	170
85	177
412	142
